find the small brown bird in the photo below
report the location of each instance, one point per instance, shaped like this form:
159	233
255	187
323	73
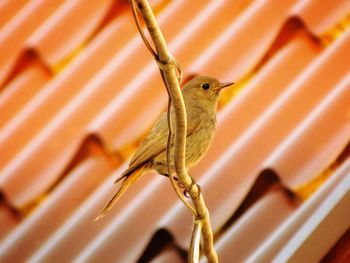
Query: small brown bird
201	96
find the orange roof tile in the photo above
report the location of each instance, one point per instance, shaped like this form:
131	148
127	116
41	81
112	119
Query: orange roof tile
274	209
8	9
16	32
283	234
19	92
79	91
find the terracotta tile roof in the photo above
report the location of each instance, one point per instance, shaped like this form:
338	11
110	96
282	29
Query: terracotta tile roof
79	91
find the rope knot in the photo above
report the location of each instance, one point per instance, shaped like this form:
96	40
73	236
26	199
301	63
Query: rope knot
171	61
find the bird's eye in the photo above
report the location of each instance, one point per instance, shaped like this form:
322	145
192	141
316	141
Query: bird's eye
205	86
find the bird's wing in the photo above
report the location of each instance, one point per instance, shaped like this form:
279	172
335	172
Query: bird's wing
153	143
156	141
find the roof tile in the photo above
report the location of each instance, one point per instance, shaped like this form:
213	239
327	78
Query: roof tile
25	86
282	234
77	83
17	31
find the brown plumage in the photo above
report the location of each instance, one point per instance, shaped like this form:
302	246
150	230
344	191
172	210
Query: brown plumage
201	96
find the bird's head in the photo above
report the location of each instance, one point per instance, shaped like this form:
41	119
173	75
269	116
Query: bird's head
204	90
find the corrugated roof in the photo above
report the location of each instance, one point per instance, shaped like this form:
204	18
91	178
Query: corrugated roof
79	91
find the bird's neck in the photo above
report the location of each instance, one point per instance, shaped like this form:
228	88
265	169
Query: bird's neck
201	104
198	108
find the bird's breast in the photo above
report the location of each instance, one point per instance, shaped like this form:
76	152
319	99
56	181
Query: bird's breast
198	143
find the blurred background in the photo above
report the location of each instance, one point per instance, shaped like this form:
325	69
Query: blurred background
79	90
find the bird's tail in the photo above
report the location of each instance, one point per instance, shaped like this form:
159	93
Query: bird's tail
129	179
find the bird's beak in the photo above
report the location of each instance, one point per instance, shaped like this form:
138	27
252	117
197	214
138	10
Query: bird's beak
224	85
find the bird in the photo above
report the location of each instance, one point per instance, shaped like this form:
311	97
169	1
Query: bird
201	96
